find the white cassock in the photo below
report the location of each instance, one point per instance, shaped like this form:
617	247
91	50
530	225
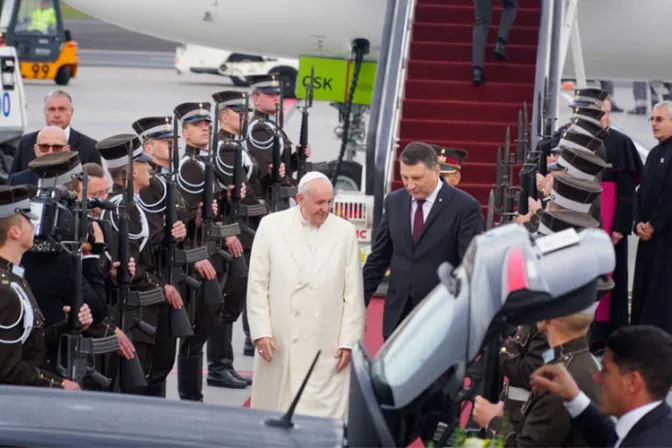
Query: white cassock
305	291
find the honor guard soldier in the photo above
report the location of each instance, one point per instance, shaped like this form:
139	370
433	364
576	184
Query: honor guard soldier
196	120
263	127
146	288
570	193
23	336
582	142
157	136
450	163
582	166
233	107
579	164
522	354
544	418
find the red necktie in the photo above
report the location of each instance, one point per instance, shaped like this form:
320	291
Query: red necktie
418	220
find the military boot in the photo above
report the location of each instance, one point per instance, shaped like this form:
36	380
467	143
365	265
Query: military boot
157	390
220	359
190	378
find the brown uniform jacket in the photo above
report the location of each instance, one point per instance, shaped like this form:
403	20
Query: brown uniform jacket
545	421
23	364
521	355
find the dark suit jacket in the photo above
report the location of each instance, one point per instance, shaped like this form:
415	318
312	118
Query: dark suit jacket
454	220
25	177
654	429
85	146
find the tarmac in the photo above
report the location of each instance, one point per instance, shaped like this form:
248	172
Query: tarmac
114	87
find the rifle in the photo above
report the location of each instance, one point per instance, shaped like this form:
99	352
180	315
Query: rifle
213	234
131	373
171	258
74	349
239	210
303	135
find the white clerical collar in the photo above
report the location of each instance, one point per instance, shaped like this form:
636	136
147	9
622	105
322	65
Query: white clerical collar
630	419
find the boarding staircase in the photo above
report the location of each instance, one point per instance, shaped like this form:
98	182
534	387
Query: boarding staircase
440	103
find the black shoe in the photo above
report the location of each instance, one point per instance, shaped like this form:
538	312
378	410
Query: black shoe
247	379
500	51
222	374
477	78
248	348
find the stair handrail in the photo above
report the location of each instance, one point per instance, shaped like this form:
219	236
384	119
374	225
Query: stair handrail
383	131
543	67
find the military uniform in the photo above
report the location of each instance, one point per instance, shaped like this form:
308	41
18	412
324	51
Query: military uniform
115	151
204	309
450	163
23	336
519	356
544	420
260	136
152	201
221	372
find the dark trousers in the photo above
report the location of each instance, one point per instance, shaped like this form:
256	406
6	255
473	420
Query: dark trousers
404	314
219	344
190	357
483	19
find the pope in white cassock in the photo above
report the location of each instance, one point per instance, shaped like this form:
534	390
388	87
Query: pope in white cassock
305	294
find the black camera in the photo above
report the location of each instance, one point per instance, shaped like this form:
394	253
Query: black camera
56	219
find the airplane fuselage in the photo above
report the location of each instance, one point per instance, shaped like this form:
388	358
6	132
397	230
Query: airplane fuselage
280	28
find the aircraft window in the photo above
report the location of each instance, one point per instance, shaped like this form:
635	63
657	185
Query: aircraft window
418	338
36	17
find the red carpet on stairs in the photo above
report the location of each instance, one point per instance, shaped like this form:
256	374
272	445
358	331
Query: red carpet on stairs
442	106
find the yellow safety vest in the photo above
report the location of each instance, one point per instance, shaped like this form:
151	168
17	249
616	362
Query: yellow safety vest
42	19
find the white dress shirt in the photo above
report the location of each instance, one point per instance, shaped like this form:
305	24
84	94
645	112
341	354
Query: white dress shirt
624	424
426	206
67	134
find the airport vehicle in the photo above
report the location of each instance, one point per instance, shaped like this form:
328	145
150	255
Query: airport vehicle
44	47
13	115
241	68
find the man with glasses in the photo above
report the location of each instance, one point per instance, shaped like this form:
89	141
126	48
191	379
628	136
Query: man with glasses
49	139
653	223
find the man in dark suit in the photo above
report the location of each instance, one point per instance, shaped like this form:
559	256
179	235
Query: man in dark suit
49	139
58	111
425	224
636	377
